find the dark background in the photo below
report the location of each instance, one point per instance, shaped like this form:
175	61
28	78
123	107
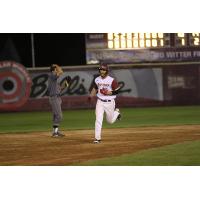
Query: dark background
60	48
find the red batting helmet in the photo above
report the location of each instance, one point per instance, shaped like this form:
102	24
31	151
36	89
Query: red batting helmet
103	66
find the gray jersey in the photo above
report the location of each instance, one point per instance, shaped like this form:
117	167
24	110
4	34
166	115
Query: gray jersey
53	85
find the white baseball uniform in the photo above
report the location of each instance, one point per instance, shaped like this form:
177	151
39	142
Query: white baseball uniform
105	103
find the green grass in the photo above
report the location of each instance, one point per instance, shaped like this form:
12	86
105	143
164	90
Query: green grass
84	119
42	121
184	154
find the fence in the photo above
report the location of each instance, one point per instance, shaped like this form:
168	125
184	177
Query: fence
149	84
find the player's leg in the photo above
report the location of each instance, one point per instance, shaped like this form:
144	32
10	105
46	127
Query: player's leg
57	115
99	119
111	113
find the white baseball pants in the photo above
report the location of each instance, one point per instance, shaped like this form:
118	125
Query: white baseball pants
111	115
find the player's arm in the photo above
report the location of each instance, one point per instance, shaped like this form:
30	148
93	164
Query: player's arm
58	70
64	84
94	89
115	87
93	92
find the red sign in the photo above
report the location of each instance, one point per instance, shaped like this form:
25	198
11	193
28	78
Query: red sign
15	85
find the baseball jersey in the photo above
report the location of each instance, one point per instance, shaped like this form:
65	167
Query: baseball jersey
108	83
53	85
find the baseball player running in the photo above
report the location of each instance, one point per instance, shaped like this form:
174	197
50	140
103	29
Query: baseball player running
54	90
105	88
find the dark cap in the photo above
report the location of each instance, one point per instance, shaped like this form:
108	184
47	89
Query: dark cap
103	66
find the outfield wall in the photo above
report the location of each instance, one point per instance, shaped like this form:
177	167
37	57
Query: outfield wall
150	84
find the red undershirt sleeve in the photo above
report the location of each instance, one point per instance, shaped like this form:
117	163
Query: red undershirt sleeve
114	85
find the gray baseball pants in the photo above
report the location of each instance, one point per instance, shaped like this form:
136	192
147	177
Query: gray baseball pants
55	103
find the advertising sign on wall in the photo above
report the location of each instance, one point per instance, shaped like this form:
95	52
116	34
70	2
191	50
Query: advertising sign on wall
15	85
141	86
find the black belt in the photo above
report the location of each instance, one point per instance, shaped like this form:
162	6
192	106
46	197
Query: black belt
104	100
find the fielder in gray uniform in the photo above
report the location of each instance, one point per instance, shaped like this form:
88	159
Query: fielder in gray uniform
54	91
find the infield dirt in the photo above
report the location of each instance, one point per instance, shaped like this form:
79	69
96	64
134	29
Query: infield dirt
39	148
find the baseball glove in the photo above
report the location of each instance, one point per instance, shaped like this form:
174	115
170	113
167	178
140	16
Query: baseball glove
58	69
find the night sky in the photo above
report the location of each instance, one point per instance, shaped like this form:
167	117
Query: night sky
60	48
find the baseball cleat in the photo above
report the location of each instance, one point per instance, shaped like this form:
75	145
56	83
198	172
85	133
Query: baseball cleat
58	134
119	117
97	141
117	109
54	135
